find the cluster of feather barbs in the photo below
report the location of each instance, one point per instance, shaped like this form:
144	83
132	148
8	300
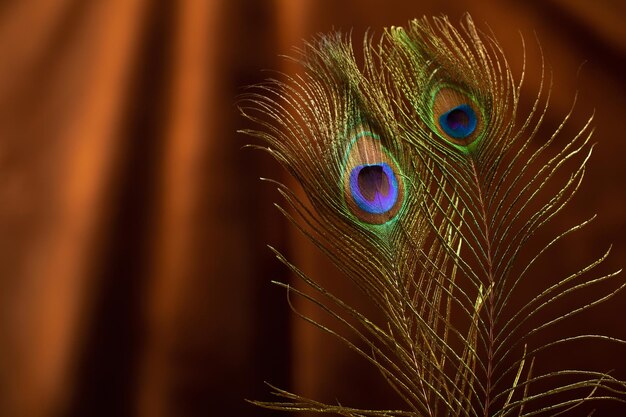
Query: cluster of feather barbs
426	185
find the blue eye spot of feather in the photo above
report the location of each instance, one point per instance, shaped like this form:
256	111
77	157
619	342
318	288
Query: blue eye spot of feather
458	122
374	187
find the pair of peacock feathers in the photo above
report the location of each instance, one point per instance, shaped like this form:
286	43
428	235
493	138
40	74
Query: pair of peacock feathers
426	186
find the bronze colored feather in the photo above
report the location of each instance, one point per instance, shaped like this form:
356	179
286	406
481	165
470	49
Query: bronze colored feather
426	190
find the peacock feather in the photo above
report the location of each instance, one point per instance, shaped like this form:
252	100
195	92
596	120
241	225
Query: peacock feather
426	185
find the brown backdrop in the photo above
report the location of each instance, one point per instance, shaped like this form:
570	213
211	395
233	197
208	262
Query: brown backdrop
134	277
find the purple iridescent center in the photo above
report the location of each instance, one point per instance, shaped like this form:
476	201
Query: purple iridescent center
457	118
374	187
459	122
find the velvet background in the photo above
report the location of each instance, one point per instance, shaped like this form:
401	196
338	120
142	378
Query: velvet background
134	277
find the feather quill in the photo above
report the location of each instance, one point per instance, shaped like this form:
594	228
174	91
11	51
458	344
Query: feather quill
426	190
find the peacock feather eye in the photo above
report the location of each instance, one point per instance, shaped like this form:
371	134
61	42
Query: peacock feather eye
456	116
373	189
458	122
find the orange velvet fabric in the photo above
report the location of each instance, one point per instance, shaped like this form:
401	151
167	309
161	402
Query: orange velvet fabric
134	277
